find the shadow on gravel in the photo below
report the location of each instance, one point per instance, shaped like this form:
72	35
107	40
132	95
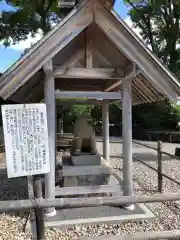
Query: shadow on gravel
12	189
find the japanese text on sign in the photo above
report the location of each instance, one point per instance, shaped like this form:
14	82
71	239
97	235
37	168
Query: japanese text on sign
26	139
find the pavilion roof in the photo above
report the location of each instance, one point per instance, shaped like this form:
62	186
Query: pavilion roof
91	49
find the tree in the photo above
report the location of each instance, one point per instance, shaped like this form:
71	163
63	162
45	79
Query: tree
28	17
158	22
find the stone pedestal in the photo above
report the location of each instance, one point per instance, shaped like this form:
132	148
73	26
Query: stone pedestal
70	182
85	159
89	160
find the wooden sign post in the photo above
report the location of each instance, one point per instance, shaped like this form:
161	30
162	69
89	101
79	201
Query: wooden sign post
27	148
26	139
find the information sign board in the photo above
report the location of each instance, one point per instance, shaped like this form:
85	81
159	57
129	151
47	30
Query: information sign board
26	139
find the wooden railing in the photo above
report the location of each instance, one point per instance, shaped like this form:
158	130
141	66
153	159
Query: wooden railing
38	203
160	153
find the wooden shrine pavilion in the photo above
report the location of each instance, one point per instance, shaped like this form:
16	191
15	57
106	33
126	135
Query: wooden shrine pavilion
91	54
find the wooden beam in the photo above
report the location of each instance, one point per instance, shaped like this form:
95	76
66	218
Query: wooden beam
73	101
93	73
48	69
134	72
66	4
73	61
101	58
79	87
116	84
89	49
88	95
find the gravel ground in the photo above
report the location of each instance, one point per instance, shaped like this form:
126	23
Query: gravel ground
145	182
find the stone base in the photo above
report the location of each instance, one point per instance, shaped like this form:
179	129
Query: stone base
86	159
69	218
70	182
89	160
93	180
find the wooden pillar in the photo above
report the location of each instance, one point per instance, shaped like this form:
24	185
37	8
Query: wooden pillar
49	97
105	126
127	140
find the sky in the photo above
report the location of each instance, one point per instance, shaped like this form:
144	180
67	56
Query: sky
11	54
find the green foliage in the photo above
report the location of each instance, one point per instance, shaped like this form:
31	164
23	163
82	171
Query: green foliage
76	110
71	113
27	17
158	22
174	112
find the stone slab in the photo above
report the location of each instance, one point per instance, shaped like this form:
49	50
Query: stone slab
98	215
89	160
70	182
86	159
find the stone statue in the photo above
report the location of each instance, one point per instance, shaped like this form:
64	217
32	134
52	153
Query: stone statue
84	137
84	152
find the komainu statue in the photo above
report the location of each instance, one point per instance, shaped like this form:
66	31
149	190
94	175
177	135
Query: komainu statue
84	152
84	137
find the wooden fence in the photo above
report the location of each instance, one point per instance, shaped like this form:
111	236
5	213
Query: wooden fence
159	171
37	203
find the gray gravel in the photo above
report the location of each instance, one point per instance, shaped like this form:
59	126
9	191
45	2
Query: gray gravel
168	214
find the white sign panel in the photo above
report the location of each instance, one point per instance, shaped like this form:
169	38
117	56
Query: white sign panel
26	139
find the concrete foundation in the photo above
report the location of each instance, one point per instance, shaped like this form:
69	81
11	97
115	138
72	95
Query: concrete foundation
98	215
87	160
70	182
